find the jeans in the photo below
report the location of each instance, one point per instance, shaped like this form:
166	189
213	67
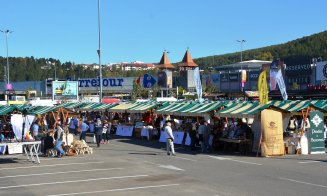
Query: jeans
59	149
98	139
170	146
82	136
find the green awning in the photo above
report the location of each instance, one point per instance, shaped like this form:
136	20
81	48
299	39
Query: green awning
143	107
170	108
4	110
43	109
89	106
199	109
103	106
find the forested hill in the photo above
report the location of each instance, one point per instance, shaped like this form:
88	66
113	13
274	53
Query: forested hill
299	51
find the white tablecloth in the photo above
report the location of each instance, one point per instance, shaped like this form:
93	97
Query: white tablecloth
124	130
178	135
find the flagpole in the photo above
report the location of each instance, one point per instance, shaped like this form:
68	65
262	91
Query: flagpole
99	53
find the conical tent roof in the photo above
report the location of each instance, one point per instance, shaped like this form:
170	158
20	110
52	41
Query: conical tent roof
164	62
187	61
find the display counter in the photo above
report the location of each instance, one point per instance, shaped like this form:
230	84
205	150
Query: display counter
178	137
125	130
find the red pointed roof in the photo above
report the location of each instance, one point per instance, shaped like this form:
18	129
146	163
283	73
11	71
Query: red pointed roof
164	62
187	61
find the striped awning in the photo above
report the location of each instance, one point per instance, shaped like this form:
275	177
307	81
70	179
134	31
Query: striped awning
199	109
170	108
5	109
103	106
72	105
122	107
143	107
89	106
43	109
243	110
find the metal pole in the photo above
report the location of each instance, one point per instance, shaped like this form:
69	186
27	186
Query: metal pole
6	34
7	56
99	53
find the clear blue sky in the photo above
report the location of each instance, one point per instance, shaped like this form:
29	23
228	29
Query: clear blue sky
142	29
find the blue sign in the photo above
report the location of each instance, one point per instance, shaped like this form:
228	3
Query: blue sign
148	81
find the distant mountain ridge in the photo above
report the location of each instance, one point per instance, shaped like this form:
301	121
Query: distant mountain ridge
299	51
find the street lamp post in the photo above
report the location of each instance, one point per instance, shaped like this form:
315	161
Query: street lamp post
6	32
99	53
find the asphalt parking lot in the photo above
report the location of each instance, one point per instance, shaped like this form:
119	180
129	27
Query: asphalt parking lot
139	167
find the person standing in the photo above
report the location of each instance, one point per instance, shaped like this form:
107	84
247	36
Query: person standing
203	136
98	132
35	130
169	139
84	127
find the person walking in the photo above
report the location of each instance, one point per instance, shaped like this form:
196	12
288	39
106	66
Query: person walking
58	147
98	132
169	140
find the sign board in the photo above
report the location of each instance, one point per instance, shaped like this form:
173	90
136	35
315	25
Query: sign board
15	148
64	90
316	136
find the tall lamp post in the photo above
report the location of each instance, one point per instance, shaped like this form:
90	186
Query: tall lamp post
6	32
241	42
99	53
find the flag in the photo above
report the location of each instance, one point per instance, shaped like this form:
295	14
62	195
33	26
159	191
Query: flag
281	84
273	73
198	85
138	80
263	88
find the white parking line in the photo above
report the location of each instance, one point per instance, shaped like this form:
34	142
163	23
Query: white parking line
115	190
63	158
64	172
116	145
301	182
178	157
310	161
72	181
52	165
229	159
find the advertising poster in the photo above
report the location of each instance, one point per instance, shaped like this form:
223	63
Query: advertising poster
65	90
316	136
321	71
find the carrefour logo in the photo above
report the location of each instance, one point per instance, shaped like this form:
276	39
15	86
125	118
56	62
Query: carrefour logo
325	71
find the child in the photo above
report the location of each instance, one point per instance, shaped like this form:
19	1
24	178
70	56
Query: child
105	133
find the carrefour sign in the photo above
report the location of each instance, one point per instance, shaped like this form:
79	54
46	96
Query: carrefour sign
112	83
115	83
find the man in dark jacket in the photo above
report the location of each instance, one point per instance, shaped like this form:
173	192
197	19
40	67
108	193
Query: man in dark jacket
98	131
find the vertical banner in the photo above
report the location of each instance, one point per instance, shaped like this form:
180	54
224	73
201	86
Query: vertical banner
316	139
17	125
272	143
198	85
273	74
262	87
281	85
243	77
